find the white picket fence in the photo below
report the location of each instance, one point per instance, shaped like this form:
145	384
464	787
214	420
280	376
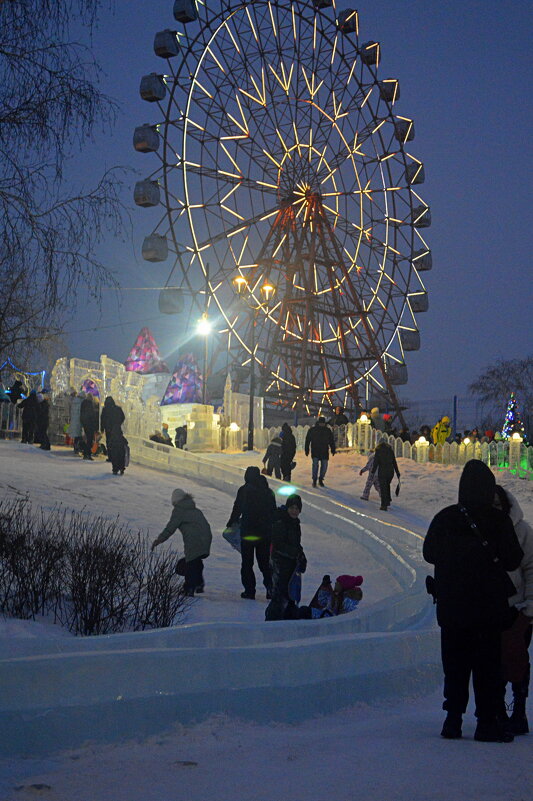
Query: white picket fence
494	454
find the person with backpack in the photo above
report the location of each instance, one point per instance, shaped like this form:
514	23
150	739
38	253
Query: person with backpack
472	545
287	556
288	451
384	467
254	508
197	538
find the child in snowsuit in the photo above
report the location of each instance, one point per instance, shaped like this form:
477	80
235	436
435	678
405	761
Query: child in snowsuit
372	479
329	601
272	458
286	556
197	538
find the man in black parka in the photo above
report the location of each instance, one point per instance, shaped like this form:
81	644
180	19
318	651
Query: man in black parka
255	507
472	599
385	466
320	442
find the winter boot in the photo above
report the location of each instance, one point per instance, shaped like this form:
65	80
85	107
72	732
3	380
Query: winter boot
490	730
250	596
451	729
321	482
314	483
518	723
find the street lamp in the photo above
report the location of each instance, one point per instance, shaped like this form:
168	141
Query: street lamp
204	328
267	292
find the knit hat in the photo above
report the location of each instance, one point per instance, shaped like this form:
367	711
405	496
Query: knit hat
387	416
321	419
375	410
177	496
40	397
294	500
349	582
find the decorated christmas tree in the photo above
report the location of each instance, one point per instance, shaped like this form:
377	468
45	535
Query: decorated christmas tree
144	356
185	386
513	422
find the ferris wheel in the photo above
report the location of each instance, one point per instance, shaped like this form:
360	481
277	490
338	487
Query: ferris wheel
284	170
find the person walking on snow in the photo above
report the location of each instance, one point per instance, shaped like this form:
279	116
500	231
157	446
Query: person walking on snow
472	544
197	538
112	416
288	451
254	507
272	458
42	420
320	442
384	468
287	555
89	420
29	416
372	479
517	638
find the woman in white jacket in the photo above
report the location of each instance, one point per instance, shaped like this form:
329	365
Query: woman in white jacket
516	640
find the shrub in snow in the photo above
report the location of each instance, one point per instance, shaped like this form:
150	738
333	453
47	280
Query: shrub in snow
92	575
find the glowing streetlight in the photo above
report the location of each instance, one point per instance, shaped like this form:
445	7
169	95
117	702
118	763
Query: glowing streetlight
267	292
204	328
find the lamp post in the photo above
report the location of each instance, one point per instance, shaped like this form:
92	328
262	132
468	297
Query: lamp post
267	292
204	329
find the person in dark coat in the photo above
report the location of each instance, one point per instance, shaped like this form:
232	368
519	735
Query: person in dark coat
255	507
384	467
89	421
116	451
339	418
42	419
29	416
287	555
471	544
272	458
16	391
112	415
320	442
288	451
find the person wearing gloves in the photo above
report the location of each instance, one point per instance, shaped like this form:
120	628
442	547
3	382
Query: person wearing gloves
472	544
197	537
517	638
286	555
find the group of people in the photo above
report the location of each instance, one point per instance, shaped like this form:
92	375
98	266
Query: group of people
482	552
35	418
87	424
268	535
163	437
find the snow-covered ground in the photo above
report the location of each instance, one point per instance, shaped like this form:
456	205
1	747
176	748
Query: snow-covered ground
389	751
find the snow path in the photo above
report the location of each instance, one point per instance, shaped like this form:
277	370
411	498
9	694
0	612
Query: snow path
386	752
